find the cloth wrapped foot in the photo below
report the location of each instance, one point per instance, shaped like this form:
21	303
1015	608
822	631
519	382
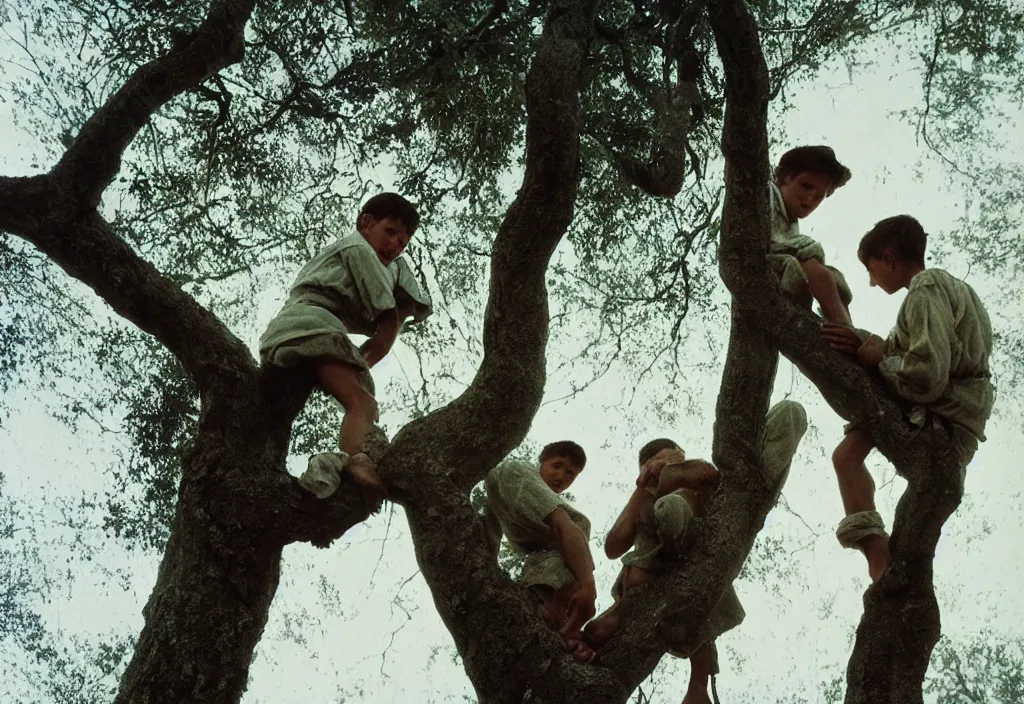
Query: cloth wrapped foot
323	474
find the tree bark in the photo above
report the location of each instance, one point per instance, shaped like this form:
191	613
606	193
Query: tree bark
238	507
509	655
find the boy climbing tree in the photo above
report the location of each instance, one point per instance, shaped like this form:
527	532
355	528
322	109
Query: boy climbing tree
936	358
670	492
359	284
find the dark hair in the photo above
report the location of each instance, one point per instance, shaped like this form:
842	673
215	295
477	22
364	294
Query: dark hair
900	233
565	448
817	160
655	446
391	205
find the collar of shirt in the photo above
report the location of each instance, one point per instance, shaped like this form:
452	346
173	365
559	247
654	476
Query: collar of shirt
779	214
357	240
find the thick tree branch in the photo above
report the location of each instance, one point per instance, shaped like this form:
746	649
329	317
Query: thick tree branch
94	158
288	513
901	623
84	245
673	104
57	214
510	381
436	460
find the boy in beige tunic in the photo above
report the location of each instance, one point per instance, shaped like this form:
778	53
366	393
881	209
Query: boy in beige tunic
523	503
936	357
359	284
804	177
671	491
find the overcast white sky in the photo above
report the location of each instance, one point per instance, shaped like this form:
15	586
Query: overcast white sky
356	623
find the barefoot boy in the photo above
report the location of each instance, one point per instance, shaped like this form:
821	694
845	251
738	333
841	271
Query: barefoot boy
670	492
936	357
360	284
523	502
804	177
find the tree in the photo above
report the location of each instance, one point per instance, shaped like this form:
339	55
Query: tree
236	507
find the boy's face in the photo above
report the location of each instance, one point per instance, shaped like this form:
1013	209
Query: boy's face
388	236
803	192
559	473
882	272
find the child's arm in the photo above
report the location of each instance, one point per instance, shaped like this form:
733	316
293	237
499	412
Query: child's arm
377	347
623	533
572	544
869	348
691	474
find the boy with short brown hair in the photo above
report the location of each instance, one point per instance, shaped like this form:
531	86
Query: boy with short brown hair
937	357
655	523
524	504
804	177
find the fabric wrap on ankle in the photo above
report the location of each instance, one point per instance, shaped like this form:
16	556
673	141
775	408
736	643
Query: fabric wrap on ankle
857	526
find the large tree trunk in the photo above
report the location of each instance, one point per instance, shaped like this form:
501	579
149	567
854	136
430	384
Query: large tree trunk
210	603
237	508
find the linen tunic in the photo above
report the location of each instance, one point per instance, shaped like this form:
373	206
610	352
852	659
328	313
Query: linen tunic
518	502
938	353
937	357
343	289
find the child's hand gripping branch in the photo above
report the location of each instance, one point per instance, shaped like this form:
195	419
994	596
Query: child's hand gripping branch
360	284
654	526
572	544
870	349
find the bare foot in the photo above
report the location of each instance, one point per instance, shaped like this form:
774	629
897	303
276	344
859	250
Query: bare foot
579	649
601	629
360	466
876	549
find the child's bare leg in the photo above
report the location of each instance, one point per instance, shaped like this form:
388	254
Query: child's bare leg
823	288
700	671
634	577
601	629
341	381
554	611
858	491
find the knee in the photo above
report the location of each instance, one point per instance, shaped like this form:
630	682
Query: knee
787	416
816	272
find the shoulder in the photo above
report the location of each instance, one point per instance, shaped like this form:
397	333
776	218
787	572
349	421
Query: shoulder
932	278
356	249
933	291
512	471
512	468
